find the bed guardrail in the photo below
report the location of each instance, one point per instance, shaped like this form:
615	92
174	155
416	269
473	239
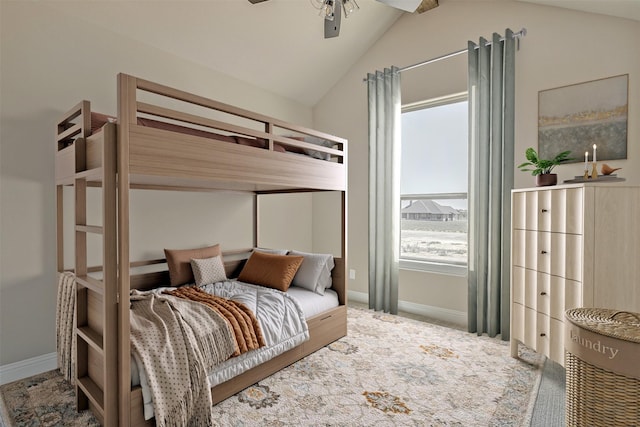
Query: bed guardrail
237	121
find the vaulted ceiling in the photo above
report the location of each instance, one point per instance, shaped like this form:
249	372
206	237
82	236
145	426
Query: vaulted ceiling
255	42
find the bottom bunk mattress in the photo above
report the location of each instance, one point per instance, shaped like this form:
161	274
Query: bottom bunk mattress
282	319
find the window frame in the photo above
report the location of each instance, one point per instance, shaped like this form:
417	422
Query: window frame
431	266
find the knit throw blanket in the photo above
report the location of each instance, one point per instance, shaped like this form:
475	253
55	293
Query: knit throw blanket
179	342
243	321
65	320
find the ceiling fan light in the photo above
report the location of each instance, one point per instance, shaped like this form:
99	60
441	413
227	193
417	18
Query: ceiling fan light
326	10
349	7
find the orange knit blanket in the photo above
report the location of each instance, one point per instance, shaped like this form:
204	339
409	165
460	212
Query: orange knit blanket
244	323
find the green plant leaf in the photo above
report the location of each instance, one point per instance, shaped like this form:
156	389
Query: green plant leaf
531	155
542	166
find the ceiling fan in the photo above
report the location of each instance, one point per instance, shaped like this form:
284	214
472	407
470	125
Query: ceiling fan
332	10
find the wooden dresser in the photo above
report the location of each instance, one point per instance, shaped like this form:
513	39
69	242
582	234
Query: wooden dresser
571	246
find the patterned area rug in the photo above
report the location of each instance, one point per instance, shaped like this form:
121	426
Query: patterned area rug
388	371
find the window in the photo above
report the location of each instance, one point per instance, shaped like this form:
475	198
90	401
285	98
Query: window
433	185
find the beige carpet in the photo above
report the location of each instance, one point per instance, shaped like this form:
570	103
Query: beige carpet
388	371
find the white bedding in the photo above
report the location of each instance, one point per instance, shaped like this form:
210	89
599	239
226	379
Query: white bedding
312	303
282	317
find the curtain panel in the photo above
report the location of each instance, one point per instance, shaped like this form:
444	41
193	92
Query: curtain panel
491	163
384	188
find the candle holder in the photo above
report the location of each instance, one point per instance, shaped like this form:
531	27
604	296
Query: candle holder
594	171
586	174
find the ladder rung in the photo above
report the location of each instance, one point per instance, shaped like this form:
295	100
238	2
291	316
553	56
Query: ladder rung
91	283
93	392
89	229
91	337
95	173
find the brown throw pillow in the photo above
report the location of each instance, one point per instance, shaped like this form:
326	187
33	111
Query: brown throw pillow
273	271
179	262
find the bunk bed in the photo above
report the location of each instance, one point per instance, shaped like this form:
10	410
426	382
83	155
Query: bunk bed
167	139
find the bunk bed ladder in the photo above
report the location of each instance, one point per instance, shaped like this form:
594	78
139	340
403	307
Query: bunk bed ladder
96	298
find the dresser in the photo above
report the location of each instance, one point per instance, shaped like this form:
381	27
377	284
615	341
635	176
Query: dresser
571	246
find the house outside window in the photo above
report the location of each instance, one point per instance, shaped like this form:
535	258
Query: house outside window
434	180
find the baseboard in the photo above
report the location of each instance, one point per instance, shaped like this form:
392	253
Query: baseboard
360	297
438	313
26	368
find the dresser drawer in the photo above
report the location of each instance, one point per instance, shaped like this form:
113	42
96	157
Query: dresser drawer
554	253
530	328
531	250
524	287
563	295
564	256
543	333
523	325
556	341
517	322
538	331
543	293
557	210
547	294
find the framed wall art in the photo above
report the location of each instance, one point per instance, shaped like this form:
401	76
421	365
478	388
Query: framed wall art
576	117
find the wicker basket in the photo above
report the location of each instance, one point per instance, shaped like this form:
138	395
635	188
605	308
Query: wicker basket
602	361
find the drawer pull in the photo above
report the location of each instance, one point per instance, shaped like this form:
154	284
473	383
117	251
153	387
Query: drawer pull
543	293
544	252
543	334
544	210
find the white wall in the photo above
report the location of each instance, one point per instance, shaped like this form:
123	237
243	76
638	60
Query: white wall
283	221
49	62
561	47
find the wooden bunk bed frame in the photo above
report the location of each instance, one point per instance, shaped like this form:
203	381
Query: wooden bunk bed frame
129	156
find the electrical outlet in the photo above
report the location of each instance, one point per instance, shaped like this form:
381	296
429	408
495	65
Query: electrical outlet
352	274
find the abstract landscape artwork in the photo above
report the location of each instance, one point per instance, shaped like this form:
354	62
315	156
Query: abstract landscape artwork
576	117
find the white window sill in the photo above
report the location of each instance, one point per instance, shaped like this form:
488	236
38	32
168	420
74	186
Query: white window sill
434	267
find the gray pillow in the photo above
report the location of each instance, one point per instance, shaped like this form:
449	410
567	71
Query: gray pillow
314	273
271	251
318	141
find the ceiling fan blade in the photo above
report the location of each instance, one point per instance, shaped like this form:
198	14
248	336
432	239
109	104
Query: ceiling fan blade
427	5
411	5
406	5
332	28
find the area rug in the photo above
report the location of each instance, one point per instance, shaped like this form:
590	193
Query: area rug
388	371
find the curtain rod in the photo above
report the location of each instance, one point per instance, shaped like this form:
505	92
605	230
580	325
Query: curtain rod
521	33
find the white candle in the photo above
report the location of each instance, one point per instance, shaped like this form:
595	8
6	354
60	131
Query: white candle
586	160
594	153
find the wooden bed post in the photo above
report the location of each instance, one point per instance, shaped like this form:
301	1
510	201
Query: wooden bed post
256	219
126	115
109	277
60	226
344	245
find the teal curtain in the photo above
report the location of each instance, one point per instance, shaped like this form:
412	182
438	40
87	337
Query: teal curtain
384	188
491	163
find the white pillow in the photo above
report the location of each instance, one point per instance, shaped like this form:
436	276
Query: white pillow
314	273
271	251
208	270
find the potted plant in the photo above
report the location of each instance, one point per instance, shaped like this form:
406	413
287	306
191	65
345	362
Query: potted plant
541	168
